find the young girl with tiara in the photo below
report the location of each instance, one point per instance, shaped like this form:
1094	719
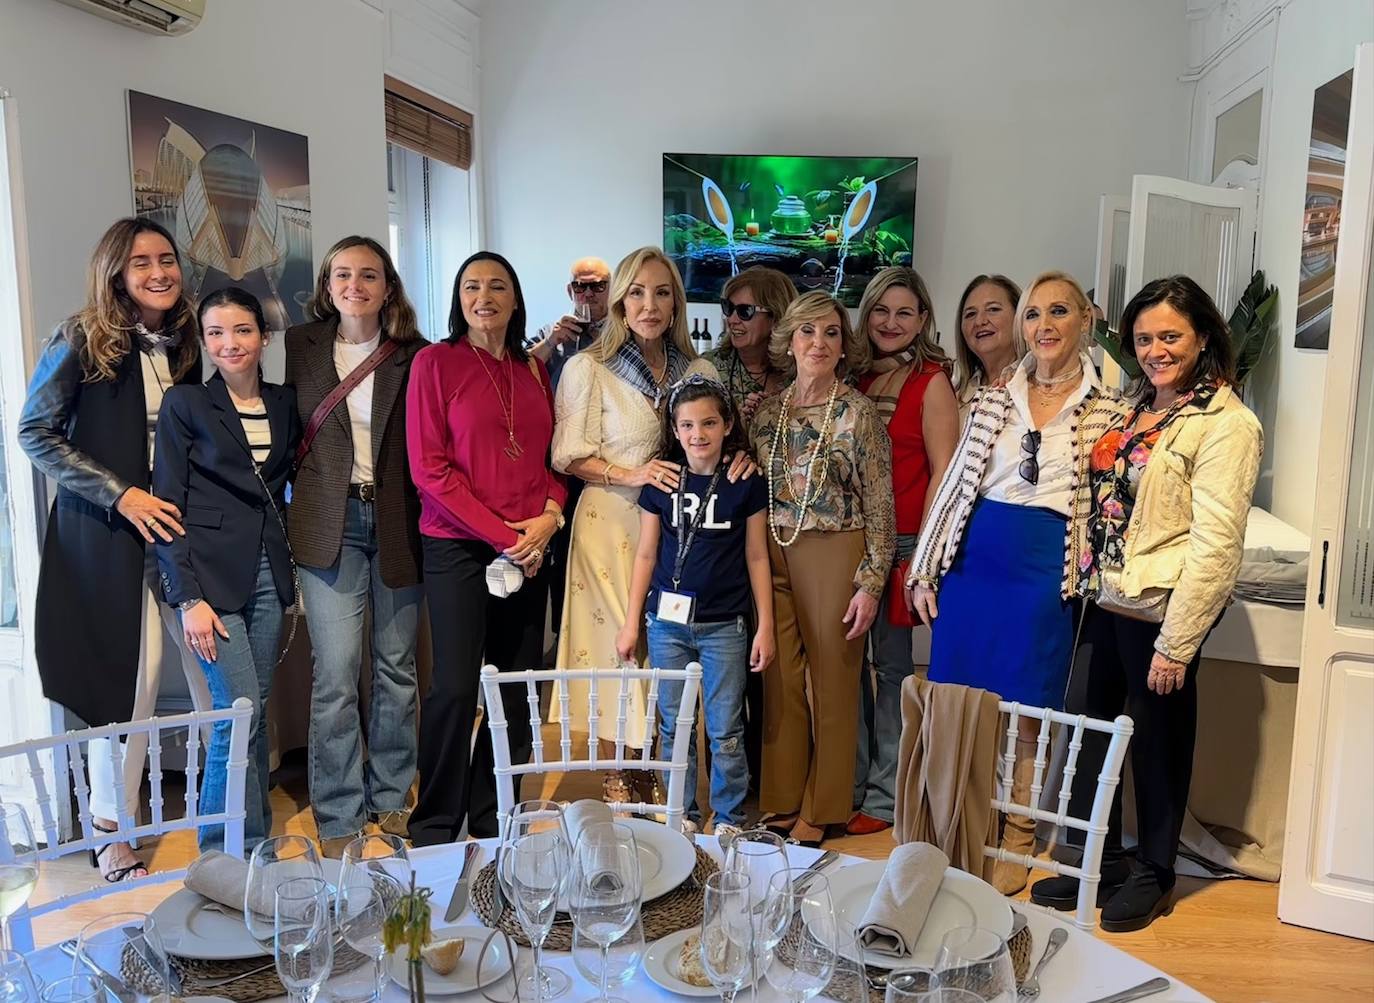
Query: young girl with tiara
703	553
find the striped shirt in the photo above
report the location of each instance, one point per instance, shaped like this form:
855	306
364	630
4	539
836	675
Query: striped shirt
258	431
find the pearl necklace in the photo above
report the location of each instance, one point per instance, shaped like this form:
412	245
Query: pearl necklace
1055	381
783	415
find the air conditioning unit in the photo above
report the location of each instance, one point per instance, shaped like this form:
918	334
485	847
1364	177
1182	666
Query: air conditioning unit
157	17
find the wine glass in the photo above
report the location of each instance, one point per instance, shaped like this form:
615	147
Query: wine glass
758	854
74	989
100	946
17	984
534	869
976	960
380	854
18	866
303	939
917	985
604	888
526	818
727	932
362	905
807	898
623	958
274	862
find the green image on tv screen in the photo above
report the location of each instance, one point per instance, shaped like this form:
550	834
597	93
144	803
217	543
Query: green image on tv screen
828	223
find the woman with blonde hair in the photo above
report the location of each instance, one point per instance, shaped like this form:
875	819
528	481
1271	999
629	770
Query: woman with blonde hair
908	381
88	423
355	532
1008	521
608	431
830	515
989	342
752	303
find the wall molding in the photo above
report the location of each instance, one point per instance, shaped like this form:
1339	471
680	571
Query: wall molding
1215	27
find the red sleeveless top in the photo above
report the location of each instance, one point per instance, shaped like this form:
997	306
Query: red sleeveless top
910	466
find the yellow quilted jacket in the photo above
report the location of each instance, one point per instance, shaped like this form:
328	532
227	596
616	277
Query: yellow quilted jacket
1187	529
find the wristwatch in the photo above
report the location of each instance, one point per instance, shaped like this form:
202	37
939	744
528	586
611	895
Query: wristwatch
187	604
559	520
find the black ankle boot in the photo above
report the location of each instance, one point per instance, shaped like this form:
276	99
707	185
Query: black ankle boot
1062	892
1146	895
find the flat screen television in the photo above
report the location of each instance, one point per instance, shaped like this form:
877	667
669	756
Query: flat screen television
826	222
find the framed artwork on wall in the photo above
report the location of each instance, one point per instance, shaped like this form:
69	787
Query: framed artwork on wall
234	193
1321	210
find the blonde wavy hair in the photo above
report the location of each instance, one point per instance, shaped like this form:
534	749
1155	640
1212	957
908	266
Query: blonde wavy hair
1080	298
617	332
927	350
809	308
398	316
103	334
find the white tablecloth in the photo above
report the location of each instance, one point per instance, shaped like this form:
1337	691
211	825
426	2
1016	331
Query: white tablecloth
1085	969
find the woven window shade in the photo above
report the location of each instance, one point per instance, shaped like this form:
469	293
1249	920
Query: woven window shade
427	125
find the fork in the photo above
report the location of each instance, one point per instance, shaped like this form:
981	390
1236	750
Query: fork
815	867
1030	989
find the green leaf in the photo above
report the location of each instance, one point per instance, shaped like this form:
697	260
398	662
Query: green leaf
1111	344
1252	325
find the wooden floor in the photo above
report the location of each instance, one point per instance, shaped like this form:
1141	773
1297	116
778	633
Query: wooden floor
1223	937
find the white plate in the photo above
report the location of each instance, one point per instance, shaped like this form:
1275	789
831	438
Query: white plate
666	858
963	900
661	964
192	930
462	979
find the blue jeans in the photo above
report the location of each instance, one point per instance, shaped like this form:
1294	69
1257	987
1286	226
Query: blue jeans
244	665
336	598
880	708
723	651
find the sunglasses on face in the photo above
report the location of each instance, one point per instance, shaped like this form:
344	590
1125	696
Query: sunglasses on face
589	287
1030	466
744	311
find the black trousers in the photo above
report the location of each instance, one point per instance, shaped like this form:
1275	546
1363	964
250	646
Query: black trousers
468	628
1160	751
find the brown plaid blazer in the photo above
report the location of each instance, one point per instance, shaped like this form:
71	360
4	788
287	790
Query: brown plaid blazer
319	493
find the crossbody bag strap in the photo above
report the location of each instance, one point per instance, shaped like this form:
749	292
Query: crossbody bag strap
326	407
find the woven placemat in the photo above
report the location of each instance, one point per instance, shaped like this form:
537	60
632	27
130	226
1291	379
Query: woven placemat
849	985
251	981
677	910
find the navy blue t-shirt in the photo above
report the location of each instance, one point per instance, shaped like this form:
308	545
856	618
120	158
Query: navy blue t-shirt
715	570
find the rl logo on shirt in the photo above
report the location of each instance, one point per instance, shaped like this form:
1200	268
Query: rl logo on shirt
690	503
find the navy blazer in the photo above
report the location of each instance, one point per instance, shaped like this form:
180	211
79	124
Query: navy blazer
204	466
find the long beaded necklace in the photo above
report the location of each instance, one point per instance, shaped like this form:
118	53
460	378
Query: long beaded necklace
513	448
816	455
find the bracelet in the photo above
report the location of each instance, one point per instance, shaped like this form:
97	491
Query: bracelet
606	474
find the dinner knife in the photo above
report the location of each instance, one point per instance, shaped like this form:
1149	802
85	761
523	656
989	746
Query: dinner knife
1135	992
459	902
136	940
111	985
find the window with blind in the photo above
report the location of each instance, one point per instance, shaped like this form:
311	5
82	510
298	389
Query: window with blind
427	125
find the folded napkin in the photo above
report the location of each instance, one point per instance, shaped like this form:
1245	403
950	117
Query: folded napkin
902	900
224	879
580	814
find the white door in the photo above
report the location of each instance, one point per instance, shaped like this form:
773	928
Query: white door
1109	279
23	711
1202	231
1328	860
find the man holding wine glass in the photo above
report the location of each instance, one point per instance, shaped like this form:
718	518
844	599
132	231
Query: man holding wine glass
588	288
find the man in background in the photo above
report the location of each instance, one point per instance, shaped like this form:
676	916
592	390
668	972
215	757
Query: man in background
556	343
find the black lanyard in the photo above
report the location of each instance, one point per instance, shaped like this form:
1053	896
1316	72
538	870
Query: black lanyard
687	535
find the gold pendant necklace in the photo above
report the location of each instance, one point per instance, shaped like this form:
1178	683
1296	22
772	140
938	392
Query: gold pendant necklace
513	448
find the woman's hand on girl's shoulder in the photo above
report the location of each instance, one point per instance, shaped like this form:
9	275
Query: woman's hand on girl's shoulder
742	465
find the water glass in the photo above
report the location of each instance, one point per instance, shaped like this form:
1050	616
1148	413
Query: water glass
372	855
74	989
727	933
274	862
622	959
303	937
17	983
528	818
757	854
101	945
18	866
978	961
807	899
361	909
534	869
917	985
605	890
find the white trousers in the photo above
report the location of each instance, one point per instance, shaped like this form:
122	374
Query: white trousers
159	621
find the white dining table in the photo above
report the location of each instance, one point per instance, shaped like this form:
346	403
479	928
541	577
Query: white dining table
1085	969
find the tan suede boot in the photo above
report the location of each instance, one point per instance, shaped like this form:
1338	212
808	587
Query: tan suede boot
1018	832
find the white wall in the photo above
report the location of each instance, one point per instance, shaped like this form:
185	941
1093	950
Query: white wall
261	60
1316	41
1021	115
